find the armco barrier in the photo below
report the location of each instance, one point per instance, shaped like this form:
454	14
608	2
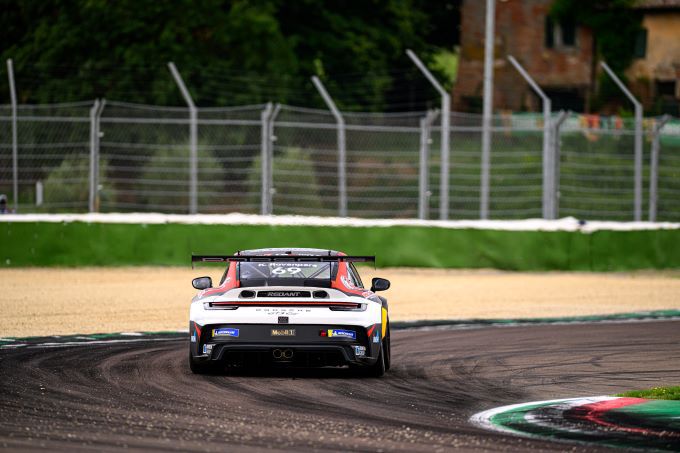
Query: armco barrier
120	240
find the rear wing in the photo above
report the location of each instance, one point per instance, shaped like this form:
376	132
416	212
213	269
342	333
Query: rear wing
279	258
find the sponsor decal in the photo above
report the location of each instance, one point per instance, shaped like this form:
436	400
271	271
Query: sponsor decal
376	337
207	348
283	294
283	332
359	351
193	338
225	332
342	333
283	319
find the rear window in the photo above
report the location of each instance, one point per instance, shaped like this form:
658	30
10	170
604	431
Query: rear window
284	271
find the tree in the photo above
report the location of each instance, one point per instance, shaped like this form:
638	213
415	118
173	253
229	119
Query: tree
230	52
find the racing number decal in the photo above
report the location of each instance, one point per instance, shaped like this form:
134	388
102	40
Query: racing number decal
286	270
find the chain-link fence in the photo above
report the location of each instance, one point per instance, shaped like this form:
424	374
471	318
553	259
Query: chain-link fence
278	159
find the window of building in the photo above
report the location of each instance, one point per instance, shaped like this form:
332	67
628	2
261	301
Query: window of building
641	44
665	88
568	30
560	34
549	33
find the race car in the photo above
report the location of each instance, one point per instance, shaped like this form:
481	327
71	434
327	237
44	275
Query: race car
289	307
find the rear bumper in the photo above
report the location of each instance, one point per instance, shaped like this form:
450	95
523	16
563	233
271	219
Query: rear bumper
255	344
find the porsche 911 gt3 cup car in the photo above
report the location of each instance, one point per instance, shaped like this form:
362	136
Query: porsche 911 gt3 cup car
298	307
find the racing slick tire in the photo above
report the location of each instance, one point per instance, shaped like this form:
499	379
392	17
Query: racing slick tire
377	369
387	347
200	367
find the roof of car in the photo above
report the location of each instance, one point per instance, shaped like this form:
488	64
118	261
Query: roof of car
289	251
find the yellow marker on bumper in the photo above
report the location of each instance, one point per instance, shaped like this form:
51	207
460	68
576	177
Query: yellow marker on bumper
384	321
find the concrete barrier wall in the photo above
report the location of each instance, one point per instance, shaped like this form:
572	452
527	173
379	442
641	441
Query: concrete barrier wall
82	242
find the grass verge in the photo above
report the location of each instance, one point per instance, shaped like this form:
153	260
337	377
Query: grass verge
656	393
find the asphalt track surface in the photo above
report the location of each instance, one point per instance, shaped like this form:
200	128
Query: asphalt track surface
141	395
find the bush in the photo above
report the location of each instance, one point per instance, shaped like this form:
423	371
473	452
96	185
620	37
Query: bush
67	186
295	182
164	183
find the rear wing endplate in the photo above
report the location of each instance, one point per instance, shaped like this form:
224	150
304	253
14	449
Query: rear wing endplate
279	258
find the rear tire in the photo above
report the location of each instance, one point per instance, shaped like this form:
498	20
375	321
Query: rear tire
197	367
200	368
387	347
377	369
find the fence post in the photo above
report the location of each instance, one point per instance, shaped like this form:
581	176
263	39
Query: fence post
264	146
445	131
342	159
15	140
637	204
93	156
98	135
193	140
423	179
270	158
555	170
654	167
548	157
484	190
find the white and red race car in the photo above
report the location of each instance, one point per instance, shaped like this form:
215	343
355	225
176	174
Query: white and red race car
293	307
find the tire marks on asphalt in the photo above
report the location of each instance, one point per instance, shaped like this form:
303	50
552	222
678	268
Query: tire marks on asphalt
142	395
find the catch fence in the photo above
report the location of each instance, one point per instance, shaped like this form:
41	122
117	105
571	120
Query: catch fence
279	159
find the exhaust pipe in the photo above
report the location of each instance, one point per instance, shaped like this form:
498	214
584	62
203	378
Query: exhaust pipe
277	353
287	353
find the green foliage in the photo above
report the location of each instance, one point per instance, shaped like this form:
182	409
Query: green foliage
658	393
230	52
67	186
614	23
294	178
446	62
165	180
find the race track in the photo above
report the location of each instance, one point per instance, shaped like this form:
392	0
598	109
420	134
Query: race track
141	395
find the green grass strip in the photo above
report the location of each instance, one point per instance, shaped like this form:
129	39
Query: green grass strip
657	393
647	315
